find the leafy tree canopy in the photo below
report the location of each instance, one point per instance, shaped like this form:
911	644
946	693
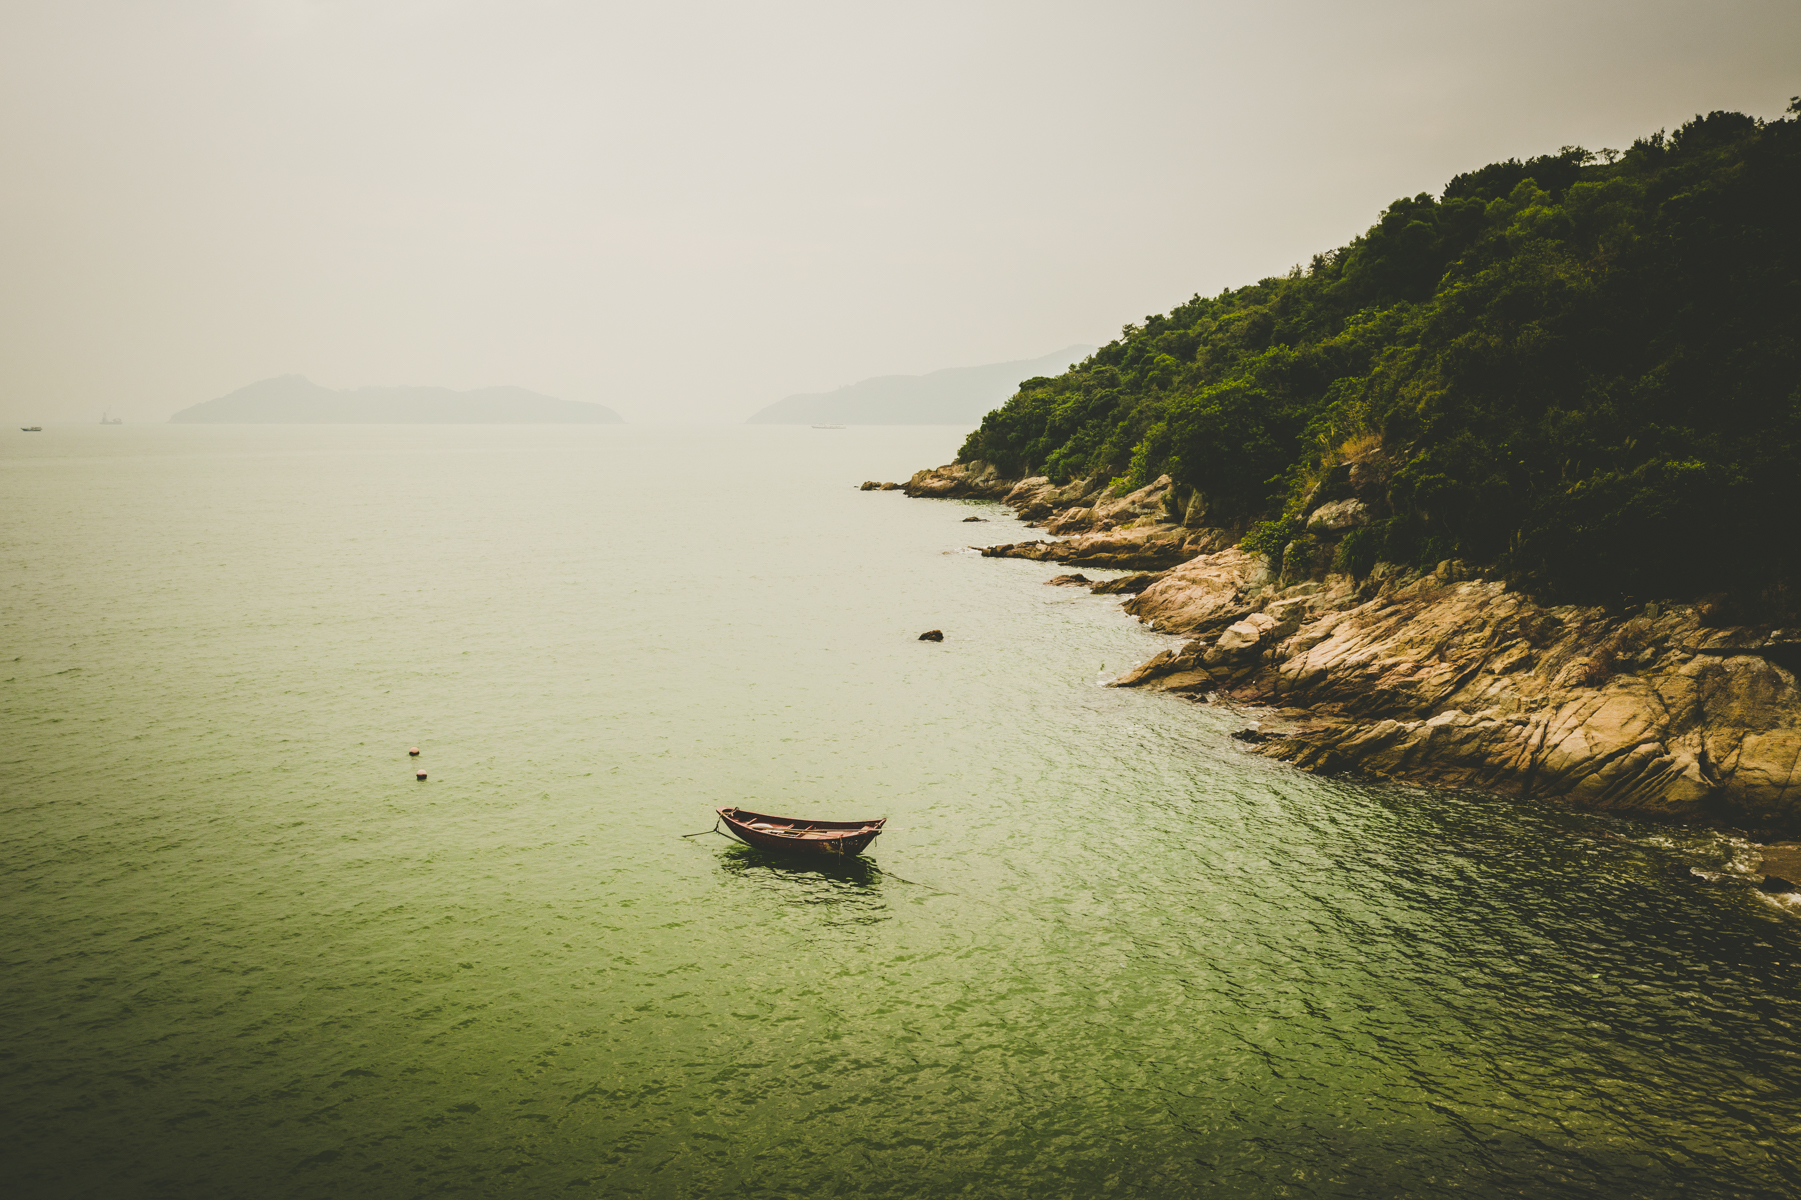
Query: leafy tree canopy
1584	371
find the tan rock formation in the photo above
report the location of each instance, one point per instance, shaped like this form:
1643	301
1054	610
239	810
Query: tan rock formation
959	481
1468	685
1439	678
1339	516
1202	594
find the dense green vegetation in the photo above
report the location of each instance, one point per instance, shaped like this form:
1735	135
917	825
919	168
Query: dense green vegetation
1582	370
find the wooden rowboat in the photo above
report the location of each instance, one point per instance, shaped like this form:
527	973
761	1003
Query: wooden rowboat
843	838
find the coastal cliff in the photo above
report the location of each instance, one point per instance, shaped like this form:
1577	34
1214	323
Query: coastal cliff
1436	677
1501	494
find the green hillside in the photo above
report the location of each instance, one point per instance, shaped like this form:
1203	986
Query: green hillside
1582	371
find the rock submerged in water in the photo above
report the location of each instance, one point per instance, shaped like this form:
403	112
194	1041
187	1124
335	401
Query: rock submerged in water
1067	581
1780	864
932	635
967	520
870	485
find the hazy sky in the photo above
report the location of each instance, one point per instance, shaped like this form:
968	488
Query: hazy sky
688	210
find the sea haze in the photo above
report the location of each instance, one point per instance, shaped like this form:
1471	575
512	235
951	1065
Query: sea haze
954	396
1101	949
297	400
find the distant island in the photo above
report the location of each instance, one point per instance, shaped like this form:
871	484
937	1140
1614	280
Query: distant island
956	396
297	400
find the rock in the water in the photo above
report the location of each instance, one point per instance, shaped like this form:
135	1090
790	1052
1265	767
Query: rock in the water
959	481
1776	885
967	520
1782	860
1125	585
1067	581
870	485
932	635
1150	548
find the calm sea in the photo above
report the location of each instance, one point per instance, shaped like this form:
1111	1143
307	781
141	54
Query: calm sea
1101	951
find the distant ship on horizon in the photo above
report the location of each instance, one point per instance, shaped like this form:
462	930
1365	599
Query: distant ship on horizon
113	421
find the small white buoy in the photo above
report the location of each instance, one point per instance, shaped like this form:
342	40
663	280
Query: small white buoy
414	752
421	775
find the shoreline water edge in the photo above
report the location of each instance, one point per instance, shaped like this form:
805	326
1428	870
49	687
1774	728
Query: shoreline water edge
1670	712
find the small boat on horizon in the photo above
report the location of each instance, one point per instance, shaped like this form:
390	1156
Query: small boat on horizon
794	835
31	429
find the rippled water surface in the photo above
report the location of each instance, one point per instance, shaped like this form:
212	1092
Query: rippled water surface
1100	950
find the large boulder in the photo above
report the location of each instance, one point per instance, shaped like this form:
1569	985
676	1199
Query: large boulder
1036	498
1201	595
959	481
1070	520
1339	516
1245	635
1146	502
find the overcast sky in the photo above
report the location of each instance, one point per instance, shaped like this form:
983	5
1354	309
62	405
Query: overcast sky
688	210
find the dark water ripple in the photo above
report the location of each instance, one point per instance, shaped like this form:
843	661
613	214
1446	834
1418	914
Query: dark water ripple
1102	951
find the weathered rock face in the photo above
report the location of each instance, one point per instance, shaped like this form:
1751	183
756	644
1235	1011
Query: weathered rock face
1439	679
1151	548
1339	516
1124	585
1468	685
1084	505
1202	594
959	481
1140	530
1036	498
1783	863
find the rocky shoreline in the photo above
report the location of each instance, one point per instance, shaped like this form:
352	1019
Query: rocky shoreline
1438	678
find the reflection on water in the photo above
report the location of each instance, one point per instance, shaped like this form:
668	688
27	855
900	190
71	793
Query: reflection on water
851	887
1099	950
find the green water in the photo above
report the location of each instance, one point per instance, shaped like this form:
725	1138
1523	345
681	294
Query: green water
1100	951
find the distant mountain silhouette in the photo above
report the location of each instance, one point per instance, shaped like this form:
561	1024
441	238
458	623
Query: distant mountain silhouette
296	400
957	396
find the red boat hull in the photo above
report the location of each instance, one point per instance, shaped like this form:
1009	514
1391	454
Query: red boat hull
791	835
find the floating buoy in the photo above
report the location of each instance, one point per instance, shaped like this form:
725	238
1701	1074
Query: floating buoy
414	752
421	775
